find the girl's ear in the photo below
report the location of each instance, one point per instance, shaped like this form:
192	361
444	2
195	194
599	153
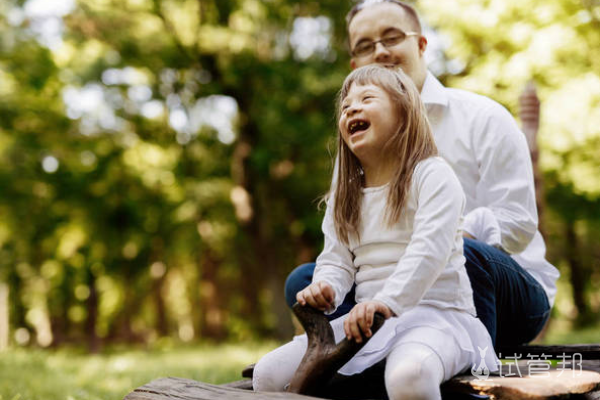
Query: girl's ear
352	63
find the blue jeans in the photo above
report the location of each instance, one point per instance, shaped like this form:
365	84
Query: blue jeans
512	305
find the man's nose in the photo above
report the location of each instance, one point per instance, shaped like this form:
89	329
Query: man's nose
381	53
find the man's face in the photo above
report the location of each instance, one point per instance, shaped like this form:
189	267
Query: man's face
383	20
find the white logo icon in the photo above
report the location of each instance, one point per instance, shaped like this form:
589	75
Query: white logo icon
482	372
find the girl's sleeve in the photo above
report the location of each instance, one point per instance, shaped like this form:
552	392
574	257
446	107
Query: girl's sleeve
335	264
440	204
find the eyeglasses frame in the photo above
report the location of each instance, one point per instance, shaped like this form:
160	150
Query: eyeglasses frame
374	42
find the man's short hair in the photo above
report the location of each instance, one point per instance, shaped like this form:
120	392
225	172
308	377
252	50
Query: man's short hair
412	13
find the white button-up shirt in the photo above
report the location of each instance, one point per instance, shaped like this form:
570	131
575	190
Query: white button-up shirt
488	152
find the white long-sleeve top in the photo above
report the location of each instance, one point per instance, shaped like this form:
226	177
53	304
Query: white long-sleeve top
418	260
488	152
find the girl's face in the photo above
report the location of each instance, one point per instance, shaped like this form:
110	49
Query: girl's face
368	119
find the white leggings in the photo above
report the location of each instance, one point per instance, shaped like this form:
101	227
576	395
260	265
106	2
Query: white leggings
413	370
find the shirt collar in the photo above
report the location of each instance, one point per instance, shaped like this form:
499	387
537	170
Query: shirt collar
433	91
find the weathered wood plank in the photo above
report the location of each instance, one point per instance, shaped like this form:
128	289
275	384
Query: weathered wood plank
187	389
587	351
370	385
555	385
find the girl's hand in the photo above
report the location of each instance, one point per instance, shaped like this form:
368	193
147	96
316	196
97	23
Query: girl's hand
360	319
319	295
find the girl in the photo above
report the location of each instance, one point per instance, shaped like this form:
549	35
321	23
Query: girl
392	226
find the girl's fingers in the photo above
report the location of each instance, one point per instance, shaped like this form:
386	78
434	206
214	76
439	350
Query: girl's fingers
366	314
319	300
355	332
353	325
310	299
368	320
327	292
383	309
361	318
370	314
347	323
347	328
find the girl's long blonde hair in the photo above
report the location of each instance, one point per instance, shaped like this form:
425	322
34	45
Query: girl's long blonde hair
413	142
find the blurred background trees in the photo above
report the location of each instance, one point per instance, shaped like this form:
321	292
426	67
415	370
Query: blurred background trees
161	160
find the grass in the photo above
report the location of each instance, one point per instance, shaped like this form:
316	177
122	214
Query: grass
29	374
562	332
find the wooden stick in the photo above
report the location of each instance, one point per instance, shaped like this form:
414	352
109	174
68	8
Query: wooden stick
323	358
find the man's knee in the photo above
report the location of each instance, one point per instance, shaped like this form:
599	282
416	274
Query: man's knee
297	280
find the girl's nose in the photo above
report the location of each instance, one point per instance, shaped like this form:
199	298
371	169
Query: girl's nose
353	109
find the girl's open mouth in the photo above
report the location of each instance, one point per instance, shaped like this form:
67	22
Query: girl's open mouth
358	125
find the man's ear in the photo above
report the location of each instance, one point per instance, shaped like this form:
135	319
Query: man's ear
422	44
352	63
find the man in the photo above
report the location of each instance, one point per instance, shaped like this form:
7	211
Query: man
513	285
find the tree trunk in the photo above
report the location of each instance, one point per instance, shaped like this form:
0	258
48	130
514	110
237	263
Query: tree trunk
249	283
250	269
122	329
4	319
59	316
270	256
253	212
577	273
212	321
158	272
92	315
161	325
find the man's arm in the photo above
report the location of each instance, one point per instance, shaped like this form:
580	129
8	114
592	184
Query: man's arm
507	217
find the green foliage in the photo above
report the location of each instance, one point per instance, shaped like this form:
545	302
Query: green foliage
129	214
160	166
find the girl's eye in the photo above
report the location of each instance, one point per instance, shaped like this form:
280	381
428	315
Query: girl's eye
367	98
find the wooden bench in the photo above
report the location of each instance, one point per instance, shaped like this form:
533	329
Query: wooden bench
528	375
461	387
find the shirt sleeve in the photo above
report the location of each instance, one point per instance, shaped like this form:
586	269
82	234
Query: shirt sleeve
507	217
335	264
440	203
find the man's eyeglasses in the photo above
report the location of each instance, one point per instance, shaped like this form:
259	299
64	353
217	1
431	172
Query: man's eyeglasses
367	47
